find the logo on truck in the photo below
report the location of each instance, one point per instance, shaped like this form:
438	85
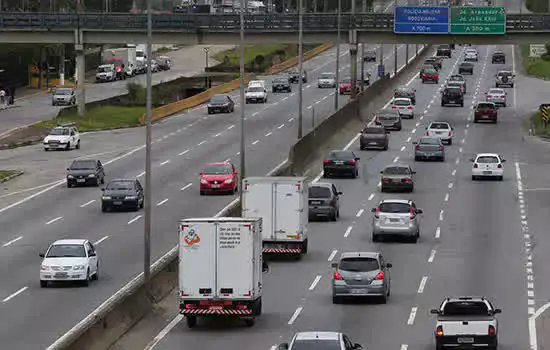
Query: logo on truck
191	238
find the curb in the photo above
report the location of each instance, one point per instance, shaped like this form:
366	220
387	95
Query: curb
12	176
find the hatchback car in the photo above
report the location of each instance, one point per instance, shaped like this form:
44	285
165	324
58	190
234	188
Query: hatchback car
429	75
122	194
294	76
498	57
466	68
341	163
497	96
220	177
452	95
405	92
397	177
442	130
69	260
281	84
390	119
444	50
326	80
221	104
504	78
324	200
485	111
404	106
85	172
64	96
428	148
320	340
471	55
361	274
396	217
487	165
374	137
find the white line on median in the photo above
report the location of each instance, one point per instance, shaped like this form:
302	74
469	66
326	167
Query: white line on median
162	202
101	240
164	332
184	152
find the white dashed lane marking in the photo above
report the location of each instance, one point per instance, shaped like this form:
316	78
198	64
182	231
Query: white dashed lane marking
134	219
162	202
165	162
101	240
184	152
255	142
348	231
412	316
315	281
332	255
295	315
422	285
360	212
87	203
11	296
8	243
432	256
54	220
437	232
186	187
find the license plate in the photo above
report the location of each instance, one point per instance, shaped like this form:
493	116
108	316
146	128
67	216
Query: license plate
452	101
53	146
339	163
373	143
466	340
215	186
80	180
359	291
61	275
316	202
439	132
394	220
484	116
117	202
487	172
216	307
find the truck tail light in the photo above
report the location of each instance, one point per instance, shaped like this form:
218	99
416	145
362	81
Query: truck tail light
380	276
337	276
190	306
240	307
492	330
439	331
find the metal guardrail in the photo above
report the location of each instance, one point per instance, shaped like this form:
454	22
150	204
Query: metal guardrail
13	21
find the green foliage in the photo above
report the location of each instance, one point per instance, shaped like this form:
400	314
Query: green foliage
535	67
537	6
136	94
99	118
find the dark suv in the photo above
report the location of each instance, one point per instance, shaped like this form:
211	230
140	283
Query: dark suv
294	76
324	200
485	111
281	84
444	50
122	194
85	172
452	96
498	57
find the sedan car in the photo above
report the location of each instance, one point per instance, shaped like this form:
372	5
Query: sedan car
344	87
396	217
164	62
397	177
341	163
404	106
405	92
437	61
487	165
326	80
320	340
221	104
497	96
429	75
370	56
498	57
324	200
361	275
69	260
466	68
504	78
485	111
85	172
294	76
458	79
429	148
390	119
64	96
122	194
471	55
442	130
374	137
281	84
220	177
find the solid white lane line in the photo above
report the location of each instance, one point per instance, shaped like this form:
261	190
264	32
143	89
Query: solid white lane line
332	255
54	220
281	126
269	133
184	152
412	316
141	174
371	196
438	232
8	243
255	142
101	240
402	148
295	315
348	231
422	285
230	127
360	212
432	256
162	202
87	203
186	187
315	281
201	143
11	296
165	162
164	332
134	219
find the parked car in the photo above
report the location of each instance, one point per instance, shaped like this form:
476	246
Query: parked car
374	137
428	148
340	162
397	177
390	119
485	111
324	200
222	103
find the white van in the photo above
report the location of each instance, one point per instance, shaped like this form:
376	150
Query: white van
256	92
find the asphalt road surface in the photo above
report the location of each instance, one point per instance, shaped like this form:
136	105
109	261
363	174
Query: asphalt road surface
182	145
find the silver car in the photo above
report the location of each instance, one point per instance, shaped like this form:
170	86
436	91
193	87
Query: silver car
497	96
397	177
327	80
396	217
428	148
320	340
324	200
64	96
361	274
504	78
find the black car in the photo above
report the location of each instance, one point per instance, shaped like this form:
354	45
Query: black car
370	56
498	57
444	50
122	194
452	96
221	104
466	68
406	93
85	172
341	163
390	119
281	84
294	76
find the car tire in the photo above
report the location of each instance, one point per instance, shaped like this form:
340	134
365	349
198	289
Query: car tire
355	174
442	104
411	190
437	81
95	276
400	127
475	120
333	216
450	142
386	147
104	208
442	159
383	299
383	189
272	91
86	282
500	178
137	206
474	177
68	147
201	193
103	180
336	300
43	284
304	247
504	105
462	104
250	322
512	86
416	158
325	175
209	112
69	185
78	145
375	238
191	321
361	147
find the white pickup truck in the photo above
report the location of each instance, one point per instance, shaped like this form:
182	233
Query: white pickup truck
466	322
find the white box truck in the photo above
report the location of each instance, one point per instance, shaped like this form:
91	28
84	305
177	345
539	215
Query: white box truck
126	56
282	203
220	268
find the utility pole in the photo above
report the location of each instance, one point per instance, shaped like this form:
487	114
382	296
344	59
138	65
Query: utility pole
300	67
337	92
353	56
243	102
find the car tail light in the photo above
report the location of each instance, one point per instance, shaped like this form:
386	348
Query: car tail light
378	119
502	96
439	331
407	180
337	276
449	133
418	148
351	162
385	180
380	276
410	107
475	166
427	133
413	214
492	330
393	107
500	166
377	213
425	75
441	148
412	93
326	162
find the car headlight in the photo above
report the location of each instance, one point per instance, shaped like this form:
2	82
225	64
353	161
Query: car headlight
79	267
106	197
203	181
91	175
44	267
70	177
228	181
45	142
130	197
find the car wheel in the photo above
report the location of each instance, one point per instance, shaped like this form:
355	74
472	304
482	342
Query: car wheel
411	190
475	120
384	299
209	112
442	104
78	145
361	147
386	147
249	322
504	105
375	238
500	178
103	180
333	216
399	128
442	159
69	185
382	189
136	207
336	300
201	193
474	177
104	208
461	104
86	282
354	174
325	175
191	321
450	142
95	277
43	284
417	158
68	147
512	85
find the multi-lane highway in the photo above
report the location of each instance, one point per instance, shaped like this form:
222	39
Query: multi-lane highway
31	220
472	240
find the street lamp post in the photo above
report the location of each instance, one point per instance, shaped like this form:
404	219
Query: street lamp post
300	67
336	93
243	168
206	79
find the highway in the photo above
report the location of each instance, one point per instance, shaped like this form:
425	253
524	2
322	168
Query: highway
182	145
471	240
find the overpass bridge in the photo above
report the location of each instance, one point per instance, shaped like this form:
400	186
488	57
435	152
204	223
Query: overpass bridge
100	28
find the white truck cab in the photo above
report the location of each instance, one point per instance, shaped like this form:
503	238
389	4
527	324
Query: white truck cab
256	92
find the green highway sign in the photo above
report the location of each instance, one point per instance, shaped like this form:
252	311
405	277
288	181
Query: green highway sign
477	20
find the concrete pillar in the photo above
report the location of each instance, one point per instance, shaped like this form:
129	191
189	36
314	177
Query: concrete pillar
62	65
80	70
353	69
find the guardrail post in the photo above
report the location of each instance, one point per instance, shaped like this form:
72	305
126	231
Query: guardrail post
80	77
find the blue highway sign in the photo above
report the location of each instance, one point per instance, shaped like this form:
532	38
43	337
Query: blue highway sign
421	19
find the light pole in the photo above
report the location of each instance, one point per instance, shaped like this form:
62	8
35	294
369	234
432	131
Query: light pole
300	67
353	56
336	93
147	200
243	168
206	80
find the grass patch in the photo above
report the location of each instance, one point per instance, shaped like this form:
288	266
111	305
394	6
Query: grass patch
250	53
535	67
5	173
538	126
163	49
99	118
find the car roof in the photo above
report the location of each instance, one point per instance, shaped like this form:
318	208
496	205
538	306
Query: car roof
122	180
327	73
398	165
438	122
216	163
321	184
464	298
504	71
403	201
487	155
466	64
387	111
69	241
497	89
498	51
485	102
317	335
360	255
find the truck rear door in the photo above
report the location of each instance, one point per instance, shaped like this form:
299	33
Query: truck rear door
466	327
288	211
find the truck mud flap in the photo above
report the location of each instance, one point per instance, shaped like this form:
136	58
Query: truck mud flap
229	312
282	251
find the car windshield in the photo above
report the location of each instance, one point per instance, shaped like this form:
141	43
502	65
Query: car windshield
66	251
140	54
280	81
374	131
83	165
359	264
105	69
218	99
395	208
429	141
485	106
59	131
316	344
255	89
429	71
341	155
120	186
496	92
346	81
487	159
402	102
465	308
456	78
396	170
439	126
63	91
217	170
498	53
502	74
458	85
327	76
319	192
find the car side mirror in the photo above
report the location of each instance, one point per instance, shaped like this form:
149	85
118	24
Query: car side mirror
41	255
339	193
357	346
103	190
283	346
414	172
503	161
334	265
497	311
415	143
373	210
389	265
419	211
68	169
434	311
381	171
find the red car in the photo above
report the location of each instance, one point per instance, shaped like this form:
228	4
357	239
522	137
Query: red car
219	178
429	75
345	87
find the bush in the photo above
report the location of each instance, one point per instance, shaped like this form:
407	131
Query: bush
136	94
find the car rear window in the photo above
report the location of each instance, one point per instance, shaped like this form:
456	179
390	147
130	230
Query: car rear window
453	91
429	141
341	155
218	99
396	170
374	131
505	74
439	126
485	106
487	160
319	192
395	208
316	344
401	102
466	65
465	308
359	264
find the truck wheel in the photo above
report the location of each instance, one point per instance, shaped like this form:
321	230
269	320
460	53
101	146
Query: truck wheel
249	322
304	247
191	321
375	238
336	300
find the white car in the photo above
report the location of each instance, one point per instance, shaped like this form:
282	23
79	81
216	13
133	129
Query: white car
256	93
497	96
326	80
488	165
62	137
442	130
404	106
471	55
69	260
